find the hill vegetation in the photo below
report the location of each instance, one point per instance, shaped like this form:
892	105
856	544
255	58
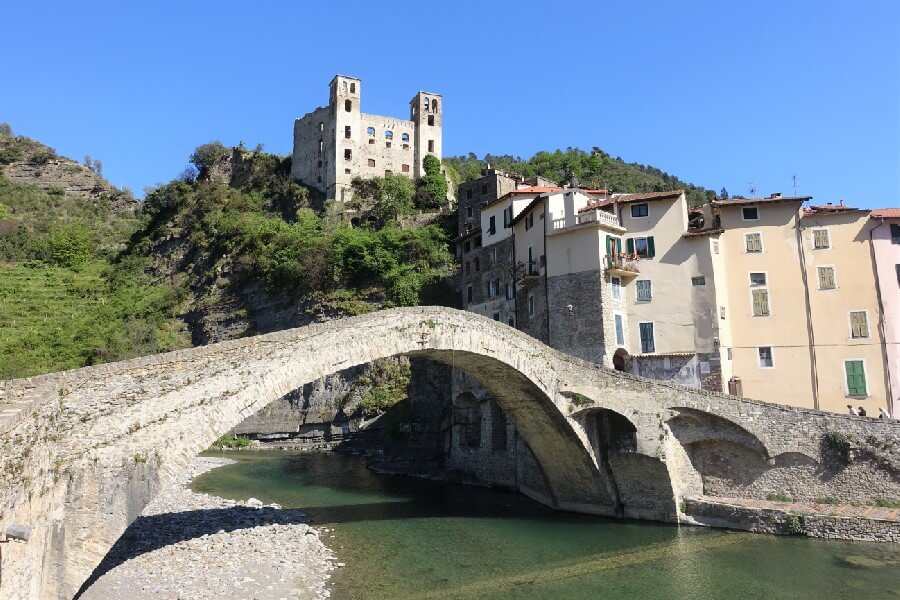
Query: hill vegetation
594	169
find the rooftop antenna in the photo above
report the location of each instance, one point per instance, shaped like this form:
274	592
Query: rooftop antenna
794	179
752	189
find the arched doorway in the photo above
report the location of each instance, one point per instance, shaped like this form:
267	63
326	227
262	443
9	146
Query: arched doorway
622	360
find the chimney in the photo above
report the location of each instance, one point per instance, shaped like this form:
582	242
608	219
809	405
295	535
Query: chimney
776	195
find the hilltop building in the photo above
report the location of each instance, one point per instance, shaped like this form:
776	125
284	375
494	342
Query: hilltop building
336	143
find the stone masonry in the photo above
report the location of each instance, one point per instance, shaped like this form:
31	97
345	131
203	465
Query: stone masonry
84	451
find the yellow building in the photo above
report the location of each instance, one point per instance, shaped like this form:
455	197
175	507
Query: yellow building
798	306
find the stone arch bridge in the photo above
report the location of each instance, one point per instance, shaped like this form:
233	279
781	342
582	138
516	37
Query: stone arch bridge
84	451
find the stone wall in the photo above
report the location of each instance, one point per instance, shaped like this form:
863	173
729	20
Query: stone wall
578	331
783	522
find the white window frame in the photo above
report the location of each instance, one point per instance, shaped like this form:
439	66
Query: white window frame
757	285
850	328
762	244
641	342
865	376
631	210
492	255
715	246
510	290
759	364
637	298
621	316
768	296
615	284
813	238
833	274
757	213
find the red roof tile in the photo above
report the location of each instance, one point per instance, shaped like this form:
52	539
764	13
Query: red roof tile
885	213
647	196
828	208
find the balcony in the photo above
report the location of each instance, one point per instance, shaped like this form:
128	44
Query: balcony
625	265
601	217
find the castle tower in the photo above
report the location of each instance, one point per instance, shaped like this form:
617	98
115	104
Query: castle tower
426	112
343	103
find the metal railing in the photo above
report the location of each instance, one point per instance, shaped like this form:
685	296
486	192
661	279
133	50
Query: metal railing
592	216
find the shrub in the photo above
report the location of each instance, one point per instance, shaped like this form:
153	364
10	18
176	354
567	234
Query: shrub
778	497
232	442
839	443
684	506
887	503
5	213
10	154
794	525
827	500
431	189
42	156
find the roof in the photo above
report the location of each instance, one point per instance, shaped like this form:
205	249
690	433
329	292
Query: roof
531	189
885	213
647	196
828	208
618	198
771	199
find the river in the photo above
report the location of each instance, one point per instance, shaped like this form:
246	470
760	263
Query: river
406	538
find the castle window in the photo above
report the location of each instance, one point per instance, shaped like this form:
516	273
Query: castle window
352	88
346	171
426	104
405	168
348	154
389	134
468	194
431	145
321	126
320	164
387	144
344	85
406	146
371	162
347	131
431	119
405	137
370	130
388	172
371	140
319	179
483	190
348	105
321	146
433	105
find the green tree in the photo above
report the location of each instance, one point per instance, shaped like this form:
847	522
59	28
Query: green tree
431	189
206	155
723	194
70	245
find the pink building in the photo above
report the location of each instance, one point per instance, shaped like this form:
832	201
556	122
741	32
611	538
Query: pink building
885	233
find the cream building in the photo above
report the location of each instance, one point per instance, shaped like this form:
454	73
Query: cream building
798	305
885	235
336	143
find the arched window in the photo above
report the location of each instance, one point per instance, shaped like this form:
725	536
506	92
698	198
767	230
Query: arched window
370	130
426	103
352	88
389	134
348	105
344	85
433	105
405	137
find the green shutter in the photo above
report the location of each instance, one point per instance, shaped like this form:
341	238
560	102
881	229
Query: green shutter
610	244
856	378
618	245
651	249
629	244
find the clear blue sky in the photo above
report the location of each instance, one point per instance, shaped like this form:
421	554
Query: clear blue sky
717	93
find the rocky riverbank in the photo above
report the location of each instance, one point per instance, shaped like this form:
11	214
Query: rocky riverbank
187	545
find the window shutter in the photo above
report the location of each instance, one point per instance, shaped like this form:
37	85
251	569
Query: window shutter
760	303
630	245
895	233
619	249
651	249
856	378
859	327
826	278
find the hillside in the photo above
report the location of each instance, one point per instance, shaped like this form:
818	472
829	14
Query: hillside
66	299
594	169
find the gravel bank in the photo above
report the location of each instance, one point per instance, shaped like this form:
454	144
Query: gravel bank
189	546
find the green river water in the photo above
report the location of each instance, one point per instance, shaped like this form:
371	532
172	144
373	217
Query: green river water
405	538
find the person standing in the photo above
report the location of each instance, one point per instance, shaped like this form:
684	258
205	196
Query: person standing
862	411
851	410
883	413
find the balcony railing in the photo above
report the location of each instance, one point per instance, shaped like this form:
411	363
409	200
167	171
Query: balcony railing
626	264
592	216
